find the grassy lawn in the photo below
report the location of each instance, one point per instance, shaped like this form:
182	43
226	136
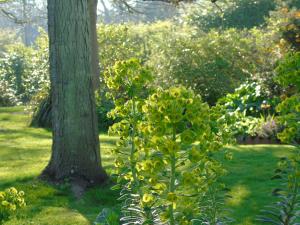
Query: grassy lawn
24	152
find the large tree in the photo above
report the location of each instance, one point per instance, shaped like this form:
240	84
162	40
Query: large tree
73	66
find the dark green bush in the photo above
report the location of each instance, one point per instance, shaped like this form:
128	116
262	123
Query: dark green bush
230	14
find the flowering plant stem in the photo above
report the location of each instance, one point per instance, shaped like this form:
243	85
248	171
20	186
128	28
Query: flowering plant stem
172	179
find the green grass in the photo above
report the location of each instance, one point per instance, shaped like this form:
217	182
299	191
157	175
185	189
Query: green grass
24	153
249	178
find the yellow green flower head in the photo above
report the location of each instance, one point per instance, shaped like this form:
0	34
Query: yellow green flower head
148	198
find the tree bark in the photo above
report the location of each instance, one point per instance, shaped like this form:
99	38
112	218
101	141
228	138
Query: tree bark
94	43
75	148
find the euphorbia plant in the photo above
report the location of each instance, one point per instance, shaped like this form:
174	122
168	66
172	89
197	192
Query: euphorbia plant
127	82
164	157
10	200
181	134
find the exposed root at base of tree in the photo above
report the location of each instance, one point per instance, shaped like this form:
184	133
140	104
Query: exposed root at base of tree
78	183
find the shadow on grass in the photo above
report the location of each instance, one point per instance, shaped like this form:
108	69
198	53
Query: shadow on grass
41	196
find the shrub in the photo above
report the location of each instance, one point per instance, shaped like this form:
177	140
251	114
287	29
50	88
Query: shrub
288	71
230	14
288	74
181	135
127	82
7	94
10	200
251	99
267	127
165	148
289	117
291	29
25	69
212	64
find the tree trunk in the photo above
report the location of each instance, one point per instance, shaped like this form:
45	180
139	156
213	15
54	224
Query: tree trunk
26	25
75	148
94	43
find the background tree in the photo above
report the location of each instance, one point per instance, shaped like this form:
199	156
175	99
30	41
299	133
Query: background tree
24	17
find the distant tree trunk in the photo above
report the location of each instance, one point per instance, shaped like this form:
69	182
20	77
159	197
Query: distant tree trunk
75	148
106	12
26	25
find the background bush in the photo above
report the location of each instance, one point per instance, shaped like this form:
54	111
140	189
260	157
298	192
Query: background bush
24	70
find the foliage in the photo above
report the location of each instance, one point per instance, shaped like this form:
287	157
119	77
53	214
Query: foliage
251	111
243	126
171	138
7	37
24	70
229	14
10	200
267	127
127	82
118	42
291	29
249	98
248	126
212	64
289	109
7	94
182	133
212	207
288	71
103	107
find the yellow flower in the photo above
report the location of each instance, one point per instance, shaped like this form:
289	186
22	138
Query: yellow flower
119	163
148	198
4	203
128	176
140	177
175	92
2	195
13	190
160	187
12	207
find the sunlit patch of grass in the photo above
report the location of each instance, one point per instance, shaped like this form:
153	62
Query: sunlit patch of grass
238	194
56	215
